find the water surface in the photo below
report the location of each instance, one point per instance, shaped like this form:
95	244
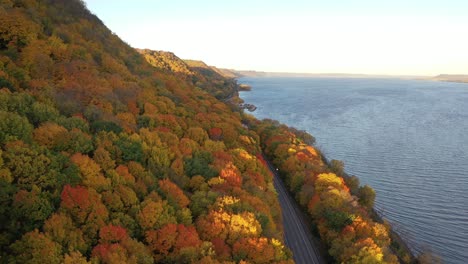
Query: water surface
408	139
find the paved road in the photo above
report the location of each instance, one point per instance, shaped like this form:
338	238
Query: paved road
296	234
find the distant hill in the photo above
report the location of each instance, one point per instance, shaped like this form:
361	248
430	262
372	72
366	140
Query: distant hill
319	75
229	73
169	62
452	78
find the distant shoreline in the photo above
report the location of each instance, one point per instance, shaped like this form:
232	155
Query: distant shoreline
241	74
451	81
456	78
357	76
451	78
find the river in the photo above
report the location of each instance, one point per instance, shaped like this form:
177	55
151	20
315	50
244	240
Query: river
408	139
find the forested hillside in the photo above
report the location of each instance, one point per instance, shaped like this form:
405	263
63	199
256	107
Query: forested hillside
105	158
113	155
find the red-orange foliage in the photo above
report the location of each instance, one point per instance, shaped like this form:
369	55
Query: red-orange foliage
188	237
187	146
257	179
173	192
257	250
162	240
133	108
122	170
109	253
84	205
263	161
169	121
302	157
163	129
221	158
112	234
171	238
150	109
231	175
313	202
75	197
202	118
216	133
222	249
311	151
215	224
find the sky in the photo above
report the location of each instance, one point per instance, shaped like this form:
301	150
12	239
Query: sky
394	37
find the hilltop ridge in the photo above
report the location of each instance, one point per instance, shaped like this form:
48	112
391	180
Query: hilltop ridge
166	61
219	83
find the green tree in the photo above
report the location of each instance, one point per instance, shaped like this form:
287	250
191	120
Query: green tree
7	191
36	248
30	209
201	200
74	122
104	159
106	126
158	159
197	134
337	166
199	164
14	127
41	112
76	141
131	149
31	167
60	228
154	215
366	196
353	184
19	103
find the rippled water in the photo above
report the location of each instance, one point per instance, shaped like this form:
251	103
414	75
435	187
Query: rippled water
408	139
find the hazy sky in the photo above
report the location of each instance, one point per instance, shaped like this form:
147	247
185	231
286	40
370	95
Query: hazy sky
415	37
